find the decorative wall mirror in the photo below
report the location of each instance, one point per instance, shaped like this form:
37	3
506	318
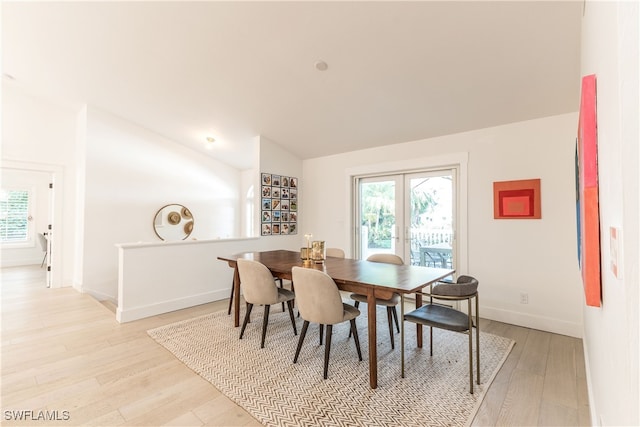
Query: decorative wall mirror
173	222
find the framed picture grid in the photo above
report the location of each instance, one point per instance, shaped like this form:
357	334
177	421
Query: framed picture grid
279	204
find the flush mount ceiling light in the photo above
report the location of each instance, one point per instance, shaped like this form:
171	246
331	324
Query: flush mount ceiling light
321	65
209	144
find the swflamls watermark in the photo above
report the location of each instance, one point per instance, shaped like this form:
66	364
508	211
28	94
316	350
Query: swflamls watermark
30	415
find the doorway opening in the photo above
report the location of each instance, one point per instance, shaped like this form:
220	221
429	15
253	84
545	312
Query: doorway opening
42	181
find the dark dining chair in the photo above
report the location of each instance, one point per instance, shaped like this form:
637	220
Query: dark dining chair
259	288
391	303
319	301
436	315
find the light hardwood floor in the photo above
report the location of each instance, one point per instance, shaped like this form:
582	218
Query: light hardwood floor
64	351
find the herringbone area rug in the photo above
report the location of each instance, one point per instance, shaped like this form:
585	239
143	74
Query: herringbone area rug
266	383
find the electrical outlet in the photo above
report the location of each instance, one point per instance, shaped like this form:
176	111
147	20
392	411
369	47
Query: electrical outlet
524	298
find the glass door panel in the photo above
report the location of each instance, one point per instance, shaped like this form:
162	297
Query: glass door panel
429	231
378	223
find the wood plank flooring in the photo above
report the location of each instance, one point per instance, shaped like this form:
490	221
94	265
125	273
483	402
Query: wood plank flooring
63	352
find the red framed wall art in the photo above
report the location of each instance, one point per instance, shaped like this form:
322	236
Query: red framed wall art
517	199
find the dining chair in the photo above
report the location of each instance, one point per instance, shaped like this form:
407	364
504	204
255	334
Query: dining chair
390	303
259	288
43	245
233	288
437	315
335	252
319	301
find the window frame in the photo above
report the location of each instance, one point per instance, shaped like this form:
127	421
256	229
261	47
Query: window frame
29	242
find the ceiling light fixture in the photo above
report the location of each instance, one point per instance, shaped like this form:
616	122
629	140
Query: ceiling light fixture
321	66
209	144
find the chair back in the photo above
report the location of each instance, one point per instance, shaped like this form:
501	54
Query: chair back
317	296
257	284
386	258
335	252
464	287
43	242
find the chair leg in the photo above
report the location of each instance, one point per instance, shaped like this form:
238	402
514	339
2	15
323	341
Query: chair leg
478	338
265	320
356	304
430	340
395	318
277	279
321	333
303	333
354	330
293	320
470	331
231	297
390	321
327	350
246	319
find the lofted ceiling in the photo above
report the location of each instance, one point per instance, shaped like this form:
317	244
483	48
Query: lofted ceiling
397	71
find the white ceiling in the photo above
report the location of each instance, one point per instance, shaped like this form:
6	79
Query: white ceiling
398	71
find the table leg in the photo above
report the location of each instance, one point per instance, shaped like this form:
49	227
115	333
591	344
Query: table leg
236	297
419	326
402	335
373	352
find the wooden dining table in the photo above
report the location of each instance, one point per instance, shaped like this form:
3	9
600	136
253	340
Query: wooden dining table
373	279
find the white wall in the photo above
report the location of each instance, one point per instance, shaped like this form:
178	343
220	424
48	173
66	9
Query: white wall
39	135
610	46
159	277
275	160
130	173
507	256
116	175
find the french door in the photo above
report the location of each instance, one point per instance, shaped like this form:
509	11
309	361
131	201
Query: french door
411	215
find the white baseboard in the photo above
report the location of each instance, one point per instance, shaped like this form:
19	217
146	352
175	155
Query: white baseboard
20	262
135	313
542	323
100	296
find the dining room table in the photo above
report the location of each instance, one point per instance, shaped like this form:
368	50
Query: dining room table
373	279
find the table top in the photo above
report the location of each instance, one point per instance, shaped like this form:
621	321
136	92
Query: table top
399	278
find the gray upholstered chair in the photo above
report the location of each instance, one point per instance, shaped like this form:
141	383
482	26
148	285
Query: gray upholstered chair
319	301
390	303
259	288
441	316
335	252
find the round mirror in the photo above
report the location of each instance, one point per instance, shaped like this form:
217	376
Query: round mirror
173	222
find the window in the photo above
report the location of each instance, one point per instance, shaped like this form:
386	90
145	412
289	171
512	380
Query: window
14	216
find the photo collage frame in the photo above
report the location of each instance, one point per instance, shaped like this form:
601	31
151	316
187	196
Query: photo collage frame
279	208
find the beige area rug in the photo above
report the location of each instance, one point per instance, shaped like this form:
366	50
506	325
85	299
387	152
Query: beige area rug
266	383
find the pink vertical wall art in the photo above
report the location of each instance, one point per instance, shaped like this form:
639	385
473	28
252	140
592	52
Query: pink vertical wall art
588	205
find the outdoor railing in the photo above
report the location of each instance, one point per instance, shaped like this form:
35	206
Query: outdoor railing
428	237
